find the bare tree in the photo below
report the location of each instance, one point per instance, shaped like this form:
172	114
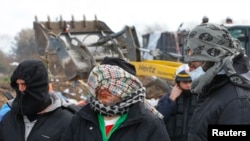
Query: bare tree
25	45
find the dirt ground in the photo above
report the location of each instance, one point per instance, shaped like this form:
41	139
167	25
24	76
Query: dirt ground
76	92
4	88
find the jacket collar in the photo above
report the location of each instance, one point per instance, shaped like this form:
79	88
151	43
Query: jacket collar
135	113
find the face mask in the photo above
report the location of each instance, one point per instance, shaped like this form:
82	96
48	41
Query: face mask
196	73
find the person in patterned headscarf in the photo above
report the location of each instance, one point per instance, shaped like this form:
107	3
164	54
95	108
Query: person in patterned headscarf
117	109
222	79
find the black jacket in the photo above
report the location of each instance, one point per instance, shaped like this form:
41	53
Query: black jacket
46	113
224	103
48	127
177	114
225	100
140	125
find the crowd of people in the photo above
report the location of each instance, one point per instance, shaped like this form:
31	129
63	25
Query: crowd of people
212	87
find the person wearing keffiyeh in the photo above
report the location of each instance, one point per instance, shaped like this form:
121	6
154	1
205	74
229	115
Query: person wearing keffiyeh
223	86
117	108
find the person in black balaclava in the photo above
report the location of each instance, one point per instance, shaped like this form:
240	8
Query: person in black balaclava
35	113
35	98
178	105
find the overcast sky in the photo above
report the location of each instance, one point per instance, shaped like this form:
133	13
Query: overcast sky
20	14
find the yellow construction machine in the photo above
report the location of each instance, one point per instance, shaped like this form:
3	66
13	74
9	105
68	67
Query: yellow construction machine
78	46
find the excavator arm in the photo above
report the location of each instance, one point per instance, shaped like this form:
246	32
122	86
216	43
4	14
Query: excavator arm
81	45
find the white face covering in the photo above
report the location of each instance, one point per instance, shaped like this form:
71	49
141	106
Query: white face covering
196	73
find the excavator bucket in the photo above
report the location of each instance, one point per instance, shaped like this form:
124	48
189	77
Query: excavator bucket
80	45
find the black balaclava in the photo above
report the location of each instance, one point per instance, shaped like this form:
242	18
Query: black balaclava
36	96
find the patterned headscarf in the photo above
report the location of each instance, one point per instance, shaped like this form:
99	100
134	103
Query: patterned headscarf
120	83
212	43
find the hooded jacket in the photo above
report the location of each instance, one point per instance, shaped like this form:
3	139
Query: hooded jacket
48	126
44	115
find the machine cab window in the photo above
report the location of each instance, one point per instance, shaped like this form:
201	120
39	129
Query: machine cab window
239	34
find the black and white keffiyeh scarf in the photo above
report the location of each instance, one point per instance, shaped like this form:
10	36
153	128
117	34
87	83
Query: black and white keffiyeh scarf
120	83
119	108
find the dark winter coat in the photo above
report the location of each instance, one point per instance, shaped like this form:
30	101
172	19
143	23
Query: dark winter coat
178	114
49	126
140	125
224	103
46	113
